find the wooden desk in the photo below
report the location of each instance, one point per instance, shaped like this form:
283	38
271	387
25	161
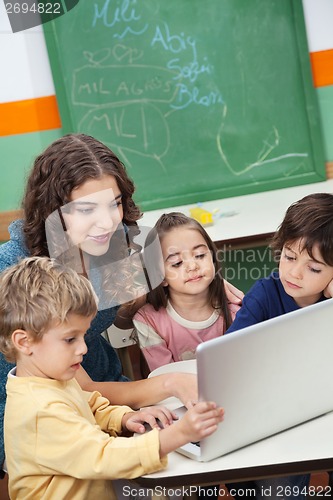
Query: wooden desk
305	448
258	215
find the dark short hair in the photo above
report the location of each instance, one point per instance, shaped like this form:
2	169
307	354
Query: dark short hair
310	220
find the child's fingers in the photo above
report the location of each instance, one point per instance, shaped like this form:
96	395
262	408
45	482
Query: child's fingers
135	426
190	403
208	422
165	416
205	411
213	417
208	418
158	417
212	409
207	431
204	406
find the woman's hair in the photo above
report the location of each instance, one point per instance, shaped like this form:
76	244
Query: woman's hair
37	291
217	295
64	166
309	220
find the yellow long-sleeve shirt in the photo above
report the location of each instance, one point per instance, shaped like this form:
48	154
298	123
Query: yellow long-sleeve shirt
62	442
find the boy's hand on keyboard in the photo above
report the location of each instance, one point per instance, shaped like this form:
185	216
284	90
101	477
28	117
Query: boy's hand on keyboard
198	422
157	417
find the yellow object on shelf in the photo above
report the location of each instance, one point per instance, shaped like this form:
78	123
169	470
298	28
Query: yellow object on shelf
201	215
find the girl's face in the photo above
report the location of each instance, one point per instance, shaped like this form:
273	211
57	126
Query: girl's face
303	278
94	214
188	263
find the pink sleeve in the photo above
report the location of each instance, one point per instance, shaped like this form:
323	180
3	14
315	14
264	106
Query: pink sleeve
233	308
157	356
153	346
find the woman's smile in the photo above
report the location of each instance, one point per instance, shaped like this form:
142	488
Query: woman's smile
100	239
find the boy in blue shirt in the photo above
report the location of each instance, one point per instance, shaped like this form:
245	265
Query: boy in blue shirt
303	245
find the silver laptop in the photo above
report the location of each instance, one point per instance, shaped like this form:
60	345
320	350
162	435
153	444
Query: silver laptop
268	377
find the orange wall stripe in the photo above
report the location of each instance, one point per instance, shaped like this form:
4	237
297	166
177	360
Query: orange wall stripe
322	67
31	115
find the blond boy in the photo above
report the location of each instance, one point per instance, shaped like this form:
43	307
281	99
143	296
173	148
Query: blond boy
60	441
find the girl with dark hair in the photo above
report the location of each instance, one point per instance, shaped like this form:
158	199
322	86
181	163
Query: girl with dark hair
190	305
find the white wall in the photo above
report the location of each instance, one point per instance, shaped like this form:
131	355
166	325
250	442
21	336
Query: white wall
319	19
25	69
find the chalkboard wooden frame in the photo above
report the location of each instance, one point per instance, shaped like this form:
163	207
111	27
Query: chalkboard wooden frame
202	162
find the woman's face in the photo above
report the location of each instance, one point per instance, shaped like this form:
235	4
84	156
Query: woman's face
94	214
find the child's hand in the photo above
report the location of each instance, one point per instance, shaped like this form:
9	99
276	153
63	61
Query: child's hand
184	386
234	295
156	416
328	292
198	422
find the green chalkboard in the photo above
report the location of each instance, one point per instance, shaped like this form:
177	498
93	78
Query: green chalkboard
201	99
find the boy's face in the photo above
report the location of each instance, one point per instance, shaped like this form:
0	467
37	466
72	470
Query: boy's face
303	278
60	351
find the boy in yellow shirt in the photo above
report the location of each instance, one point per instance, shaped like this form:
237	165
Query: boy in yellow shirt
60	441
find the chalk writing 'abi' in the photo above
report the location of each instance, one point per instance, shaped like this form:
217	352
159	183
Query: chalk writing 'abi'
173	43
